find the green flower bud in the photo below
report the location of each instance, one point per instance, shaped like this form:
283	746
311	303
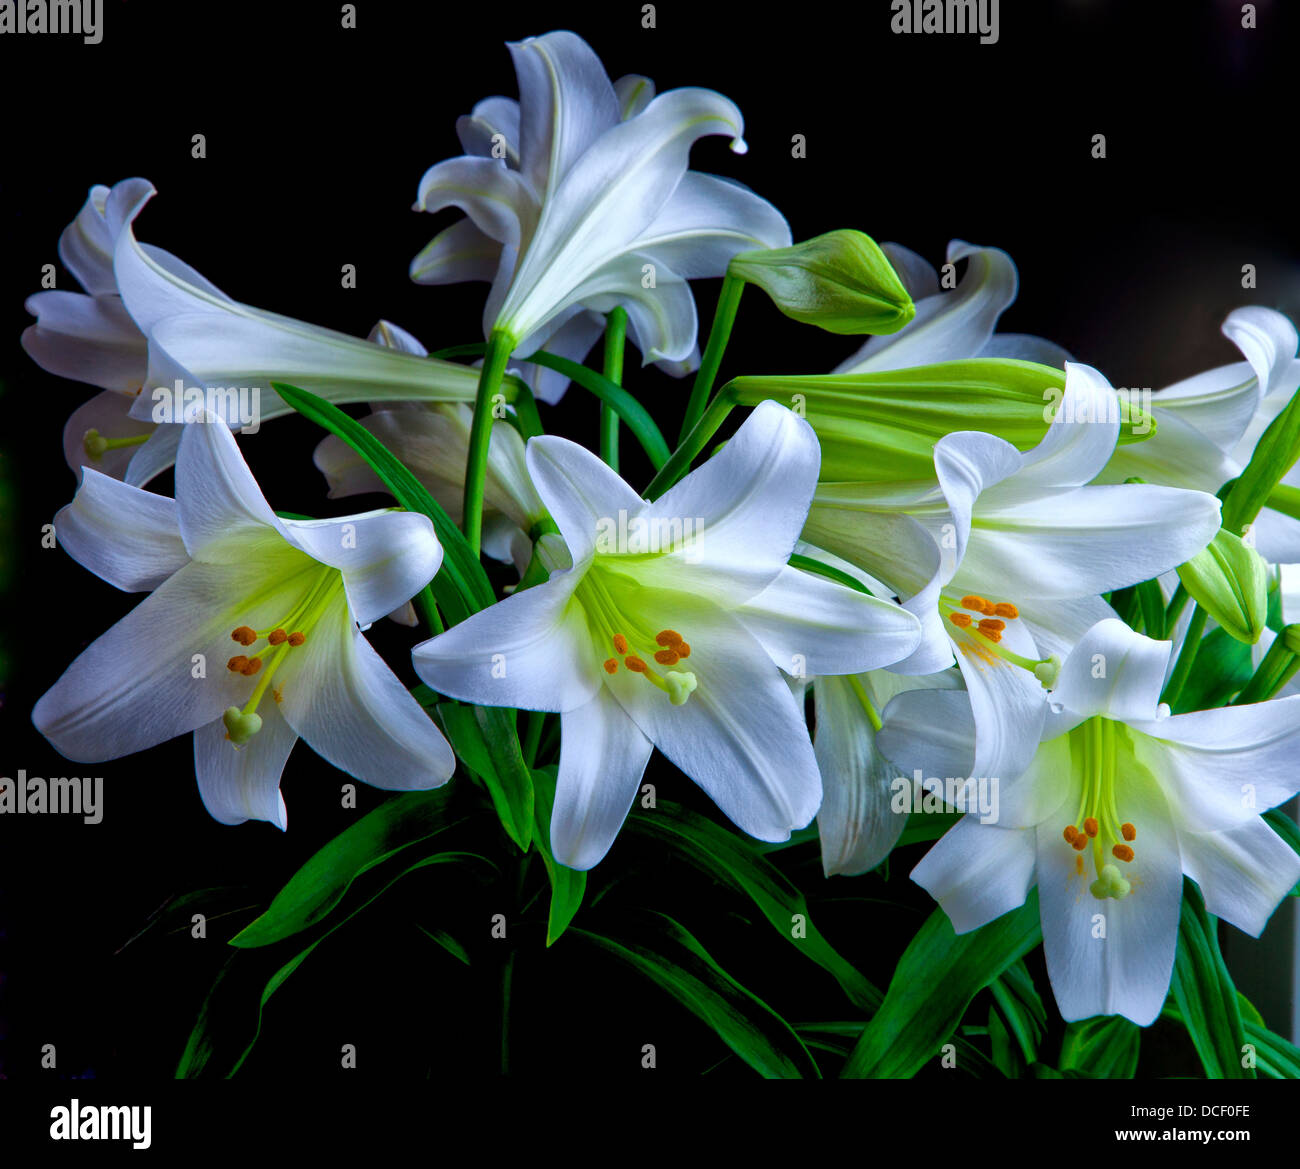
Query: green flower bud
840	282
883	425
1229	580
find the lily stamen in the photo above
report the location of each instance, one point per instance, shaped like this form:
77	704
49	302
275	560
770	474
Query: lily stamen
1095	743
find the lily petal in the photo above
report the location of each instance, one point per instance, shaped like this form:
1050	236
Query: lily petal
244	784
603	755
128	537
386	556
1244	873
748	503
1113	957
809	624
352	710
532	650
977	872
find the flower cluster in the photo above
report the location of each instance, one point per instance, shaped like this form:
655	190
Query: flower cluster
966	554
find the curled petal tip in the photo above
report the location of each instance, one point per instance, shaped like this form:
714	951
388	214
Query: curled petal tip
739	146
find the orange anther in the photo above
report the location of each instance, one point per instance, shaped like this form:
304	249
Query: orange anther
1080	842
961	619
1070	833
611	665
1128	831
991	634
243	635
667	637
635	664
1090	826
297	638
276	636
666	657
973	601
237	663
620	643
1122	852
683	650
992	625
1005	609
251	667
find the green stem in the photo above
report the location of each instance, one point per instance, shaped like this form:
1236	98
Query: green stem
1279	666
719	334
1176	604
615	337
530	422
679	462
429	609
494	367
1186	658
533	736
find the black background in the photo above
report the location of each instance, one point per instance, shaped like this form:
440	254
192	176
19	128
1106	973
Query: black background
316	140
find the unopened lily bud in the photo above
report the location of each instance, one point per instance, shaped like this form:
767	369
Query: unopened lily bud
841	282
1229	580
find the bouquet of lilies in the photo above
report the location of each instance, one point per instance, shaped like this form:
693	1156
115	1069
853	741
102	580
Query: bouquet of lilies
959	592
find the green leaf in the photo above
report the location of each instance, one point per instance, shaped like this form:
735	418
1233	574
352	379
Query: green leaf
924	826
485	739
830	572
1203	990
1275	1057
316	888
1021	1008
1104	1047
725	857
462	587
1274	456
567	885
1223	667
934	982
447	942
679	965
221	1021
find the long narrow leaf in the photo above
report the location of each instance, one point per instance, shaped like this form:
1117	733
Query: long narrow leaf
934	982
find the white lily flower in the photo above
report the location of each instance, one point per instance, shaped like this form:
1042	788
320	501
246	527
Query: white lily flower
1120	801
225	573
152	321
1207	425
432	441
579	199
1006	557
671	629
957	324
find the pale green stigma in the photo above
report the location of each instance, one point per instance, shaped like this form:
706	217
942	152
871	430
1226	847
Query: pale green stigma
240	727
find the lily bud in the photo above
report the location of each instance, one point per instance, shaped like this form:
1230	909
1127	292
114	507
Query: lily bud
1229	580
840	282
884	424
